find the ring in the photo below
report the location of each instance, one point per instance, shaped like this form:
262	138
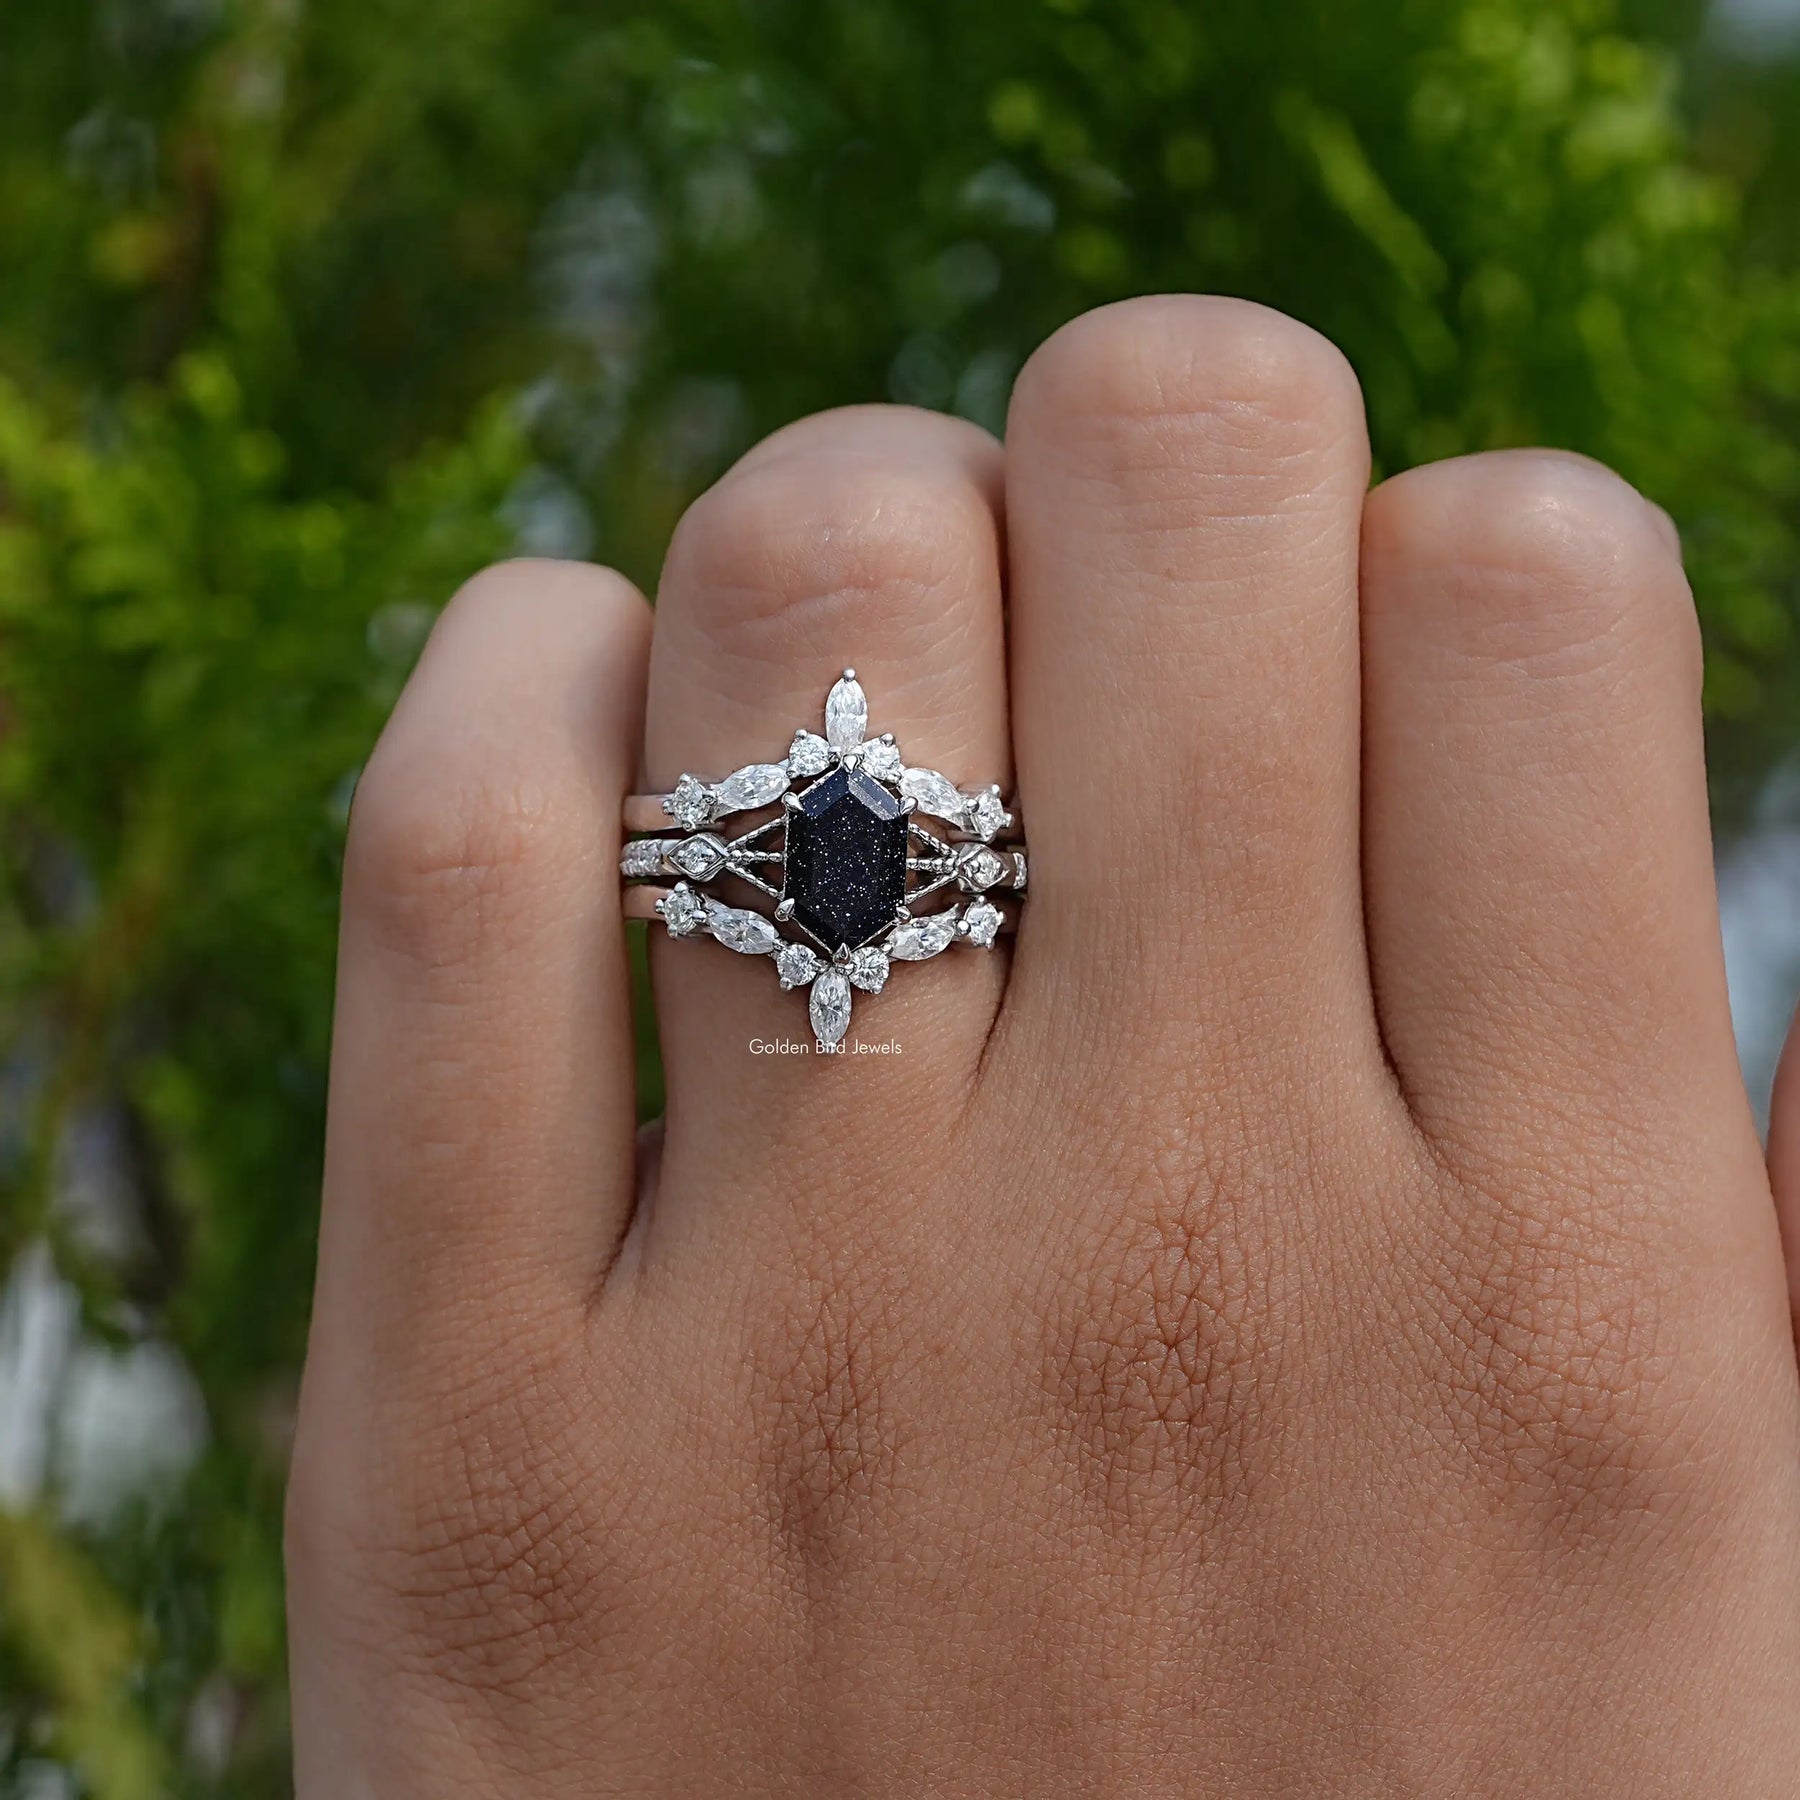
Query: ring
851	866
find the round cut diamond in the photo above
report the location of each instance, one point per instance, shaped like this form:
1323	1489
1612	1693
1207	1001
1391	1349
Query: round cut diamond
982	922
809	754
643	856
882	759
691	803
867	968
701	857
796	965
986	815
682	911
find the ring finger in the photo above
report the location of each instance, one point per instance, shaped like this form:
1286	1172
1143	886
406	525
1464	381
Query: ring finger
866	538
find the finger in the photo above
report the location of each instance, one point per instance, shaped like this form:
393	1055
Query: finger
867	538
1784	1160
478	1167
1184	489
1543	925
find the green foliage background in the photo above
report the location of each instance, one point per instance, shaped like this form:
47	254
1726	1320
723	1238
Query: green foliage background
307	310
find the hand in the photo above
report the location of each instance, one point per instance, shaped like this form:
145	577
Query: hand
1307	1320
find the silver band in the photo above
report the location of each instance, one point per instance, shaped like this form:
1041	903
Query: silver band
842	849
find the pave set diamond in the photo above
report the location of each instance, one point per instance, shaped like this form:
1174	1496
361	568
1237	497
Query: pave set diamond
854	861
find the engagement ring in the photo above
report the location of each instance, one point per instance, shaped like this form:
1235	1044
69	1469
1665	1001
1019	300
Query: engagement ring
845	860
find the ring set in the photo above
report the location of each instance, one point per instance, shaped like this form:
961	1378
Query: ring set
841	852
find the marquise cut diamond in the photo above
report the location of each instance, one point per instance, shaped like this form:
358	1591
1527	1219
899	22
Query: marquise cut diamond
829	1006
749	933
932	793
846	713
918	939
747	788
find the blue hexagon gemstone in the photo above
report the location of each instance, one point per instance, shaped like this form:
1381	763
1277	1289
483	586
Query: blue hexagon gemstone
846	859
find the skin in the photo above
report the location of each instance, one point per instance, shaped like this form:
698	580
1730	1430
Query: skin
1308	1319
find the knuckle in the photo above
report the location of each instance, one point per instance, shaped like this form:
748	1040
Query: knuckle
1160	1366
444	860
1558	562
782	543
1193	373
1551	1332
822	1397
479	1550
530	587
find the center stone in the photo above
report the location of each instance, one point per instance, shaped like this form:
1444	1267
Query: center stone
846	858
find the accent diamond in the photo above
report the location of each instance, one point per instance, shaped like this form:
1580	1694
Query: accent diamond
979	867
756	785
986	815
846	712
867	968
935	793
749	933
982	923
796	965
683	911
643	856
691	803
882	759
808	755
701	857
919	938
829	1006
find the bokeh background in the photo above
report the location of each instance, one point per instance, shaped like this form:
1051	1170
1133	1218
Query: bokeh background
309	307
